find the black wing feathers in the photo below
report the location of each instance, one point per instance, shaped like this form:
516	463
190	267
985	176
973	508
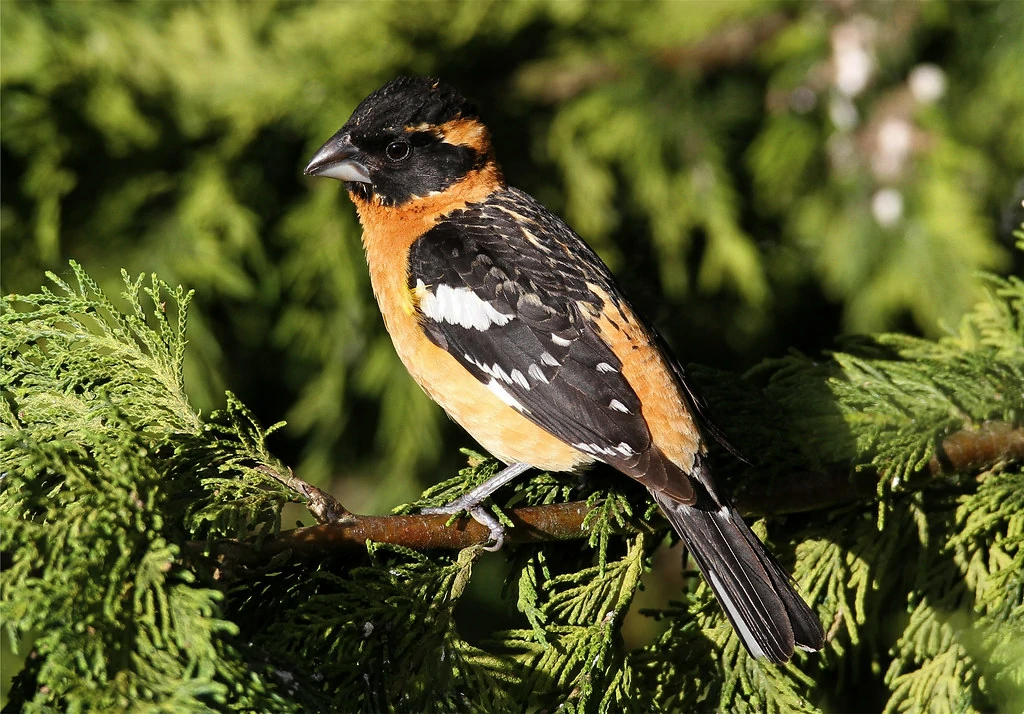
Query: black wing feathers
503	287
538	345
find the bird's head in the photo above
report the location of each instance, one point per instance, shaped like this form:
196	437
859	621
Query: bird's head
414	137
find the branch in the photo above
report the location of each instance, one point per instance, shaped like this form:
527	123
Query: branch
973	449
324	507
532	524
963	451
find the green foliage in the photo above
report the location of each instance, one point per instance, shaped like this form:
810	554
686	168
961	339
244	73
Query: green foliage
886	403
580	663
108	358
753	193
96	578
115	490
716	154
397	636
102	459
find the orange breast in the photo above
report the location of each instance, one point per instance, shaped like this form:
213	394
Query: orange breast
387	235
388	232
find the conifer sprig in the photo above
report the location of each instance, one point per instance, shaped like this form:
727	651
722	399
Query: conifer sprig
117	499
107	474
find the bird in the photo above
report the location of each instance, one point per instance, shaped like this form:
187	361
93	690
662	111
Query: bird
516	328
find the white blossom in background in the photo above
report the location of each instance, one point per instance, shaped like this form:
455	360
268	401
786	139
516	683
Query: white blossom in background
802	100
852	62
887	207
893	143
842	153
927	83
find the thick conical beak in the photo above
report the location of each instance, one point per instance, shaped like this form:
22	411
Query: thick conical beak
338	159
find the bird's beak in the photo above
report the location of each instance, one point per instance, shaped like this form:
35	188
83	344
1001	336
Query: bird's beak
338	159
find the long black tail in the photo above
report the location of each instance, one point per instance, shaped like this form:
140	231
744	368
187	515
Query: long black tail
755	592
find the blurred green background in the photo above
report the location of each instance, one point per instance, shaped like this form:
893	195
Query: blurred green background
761	175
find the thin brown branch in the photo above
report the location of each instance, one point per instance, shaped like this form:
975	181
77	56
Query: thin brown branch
964	451
961	452
531	524
974	449
324	507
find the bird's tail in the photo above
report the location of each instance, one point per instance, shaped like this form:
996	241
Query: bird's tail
755	592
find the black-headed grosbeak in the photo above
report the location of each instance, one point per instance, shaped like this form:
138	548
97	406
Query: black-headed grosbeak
511	323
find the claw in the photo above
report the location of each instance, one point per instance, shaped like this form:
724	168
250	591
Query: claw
470	502
479	514
497	531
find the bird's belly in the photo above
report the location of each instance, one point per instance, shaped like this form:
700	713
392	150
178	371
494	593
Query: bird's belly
499	428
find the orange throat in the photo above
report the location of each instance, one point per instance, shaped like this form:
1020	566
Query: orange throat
388	232
398	226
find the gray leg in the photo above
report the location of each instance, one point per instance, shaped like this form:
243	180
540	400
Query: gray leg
471	500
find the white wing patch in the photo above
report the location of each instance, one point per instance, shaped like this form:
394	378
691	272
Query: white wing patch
622	449
504	396
618	406
493	370
459	306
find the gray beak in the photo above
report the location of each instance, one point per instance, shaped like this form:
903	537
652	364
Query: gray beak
338	159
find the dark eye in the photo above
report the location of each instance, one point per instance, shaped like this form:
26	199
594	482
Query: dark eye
398	150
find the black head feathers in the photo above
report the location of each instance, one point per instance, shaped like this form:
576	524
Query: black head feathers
408	102
413	137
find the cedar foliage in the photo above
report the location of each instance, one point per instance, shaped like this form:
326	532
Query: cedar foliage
747	191
708	151
115	492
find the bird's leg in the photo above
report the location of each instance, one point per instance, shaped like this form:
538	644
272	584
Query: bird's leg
471	503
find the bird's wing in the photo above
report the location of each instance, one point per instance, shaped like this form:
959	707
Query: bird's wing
498	288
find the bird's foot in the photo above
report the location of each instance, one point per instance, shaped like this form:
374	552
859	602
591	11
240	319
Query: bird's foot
471	502
478	513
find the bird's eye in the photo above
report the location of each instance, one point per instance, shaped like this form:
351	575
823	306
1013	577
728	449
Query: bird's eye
398	150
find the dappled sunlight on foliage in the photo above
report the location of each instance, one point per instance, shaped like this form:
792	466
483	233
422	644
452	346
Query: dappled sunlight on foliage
756	172
765	177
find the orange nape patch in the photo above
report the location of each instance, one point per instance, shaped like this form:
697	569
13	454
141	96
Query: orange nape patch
471	133
467	132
